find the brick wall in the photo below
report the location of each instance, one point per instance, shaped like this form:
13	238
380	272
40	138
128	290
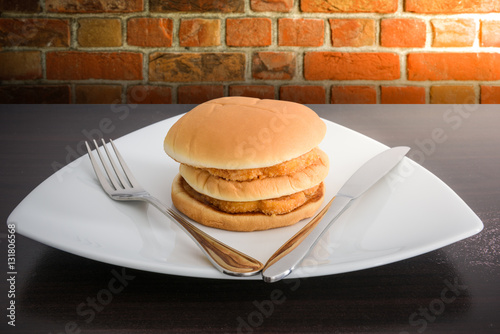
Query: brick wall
309	51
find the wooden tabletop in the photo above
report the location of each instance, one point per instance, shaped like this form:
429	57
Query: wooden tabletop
455	289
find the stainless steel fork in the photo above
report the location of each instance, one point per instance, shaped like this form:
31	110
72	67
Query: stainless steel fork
121	185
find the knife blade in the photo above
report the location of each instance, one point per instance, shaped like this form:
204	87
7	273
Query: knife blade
291	254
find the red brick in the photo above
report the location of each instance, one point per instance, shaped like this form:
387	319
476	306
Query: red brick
453	95
34	32
404	33
35	94
198	94
25	6
197	6
199	32
351	66
258	91
18	65
74	65
185	67
303	94
273	65
490	33
271	5
248	32
354	95
150	32
453	66
99	32
402	95
453	33
349	6
93	6
98	94
451	6
490	94
301	32
149	94
352	32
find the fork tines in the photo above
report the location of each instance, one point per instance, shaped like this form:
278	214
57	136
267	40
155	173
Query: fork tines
118	178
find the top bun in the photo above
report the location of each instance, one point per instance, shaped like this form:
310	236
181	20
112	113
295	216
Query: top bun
242	132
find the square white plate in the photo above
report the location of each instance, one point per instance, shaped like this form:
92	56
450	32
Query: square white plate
407	213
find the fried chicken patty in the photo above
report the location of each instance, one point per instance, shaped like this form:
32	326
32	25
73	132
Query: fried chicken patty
274	206
285	168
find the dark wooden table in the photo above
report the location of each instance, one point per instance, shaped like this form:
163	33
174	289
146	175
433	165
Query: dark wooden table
57	292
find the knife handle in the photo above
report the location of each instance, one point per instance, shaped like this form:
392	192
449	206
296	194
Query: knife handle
291	254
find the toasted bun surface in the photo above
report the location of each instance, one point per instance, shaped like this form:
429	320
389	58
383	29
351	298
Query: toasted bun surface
272	187
241	133
208	216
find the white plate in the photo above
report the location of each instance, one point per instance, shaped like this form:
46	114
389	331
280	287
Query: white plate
409	212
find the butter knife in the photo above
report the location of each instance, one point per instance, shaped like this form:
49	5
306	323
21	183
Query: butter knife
291	254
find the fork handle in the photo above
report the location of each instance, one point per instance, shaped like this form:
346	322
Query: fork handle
225	258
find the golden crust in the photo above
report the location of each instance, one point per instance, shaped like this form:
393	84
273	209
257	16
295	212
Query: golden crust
273	206
259	189
244	222
285	168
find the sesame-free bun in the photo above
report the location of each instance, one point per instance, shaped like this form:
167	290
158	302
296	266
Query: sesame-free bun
270	187
242	133
244	222
248	164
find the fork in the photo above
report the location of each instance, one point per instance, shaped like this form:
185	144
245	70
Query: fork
121	185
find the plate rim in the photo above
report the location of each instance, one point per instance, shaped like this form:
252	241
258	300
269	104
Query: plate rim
190	271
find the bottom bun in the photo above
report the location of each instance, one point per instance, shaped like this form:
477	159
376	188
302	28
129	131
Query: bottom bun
243	222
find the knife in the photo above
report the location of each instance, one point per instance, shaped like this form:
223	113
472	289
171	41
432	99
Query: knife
291	254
